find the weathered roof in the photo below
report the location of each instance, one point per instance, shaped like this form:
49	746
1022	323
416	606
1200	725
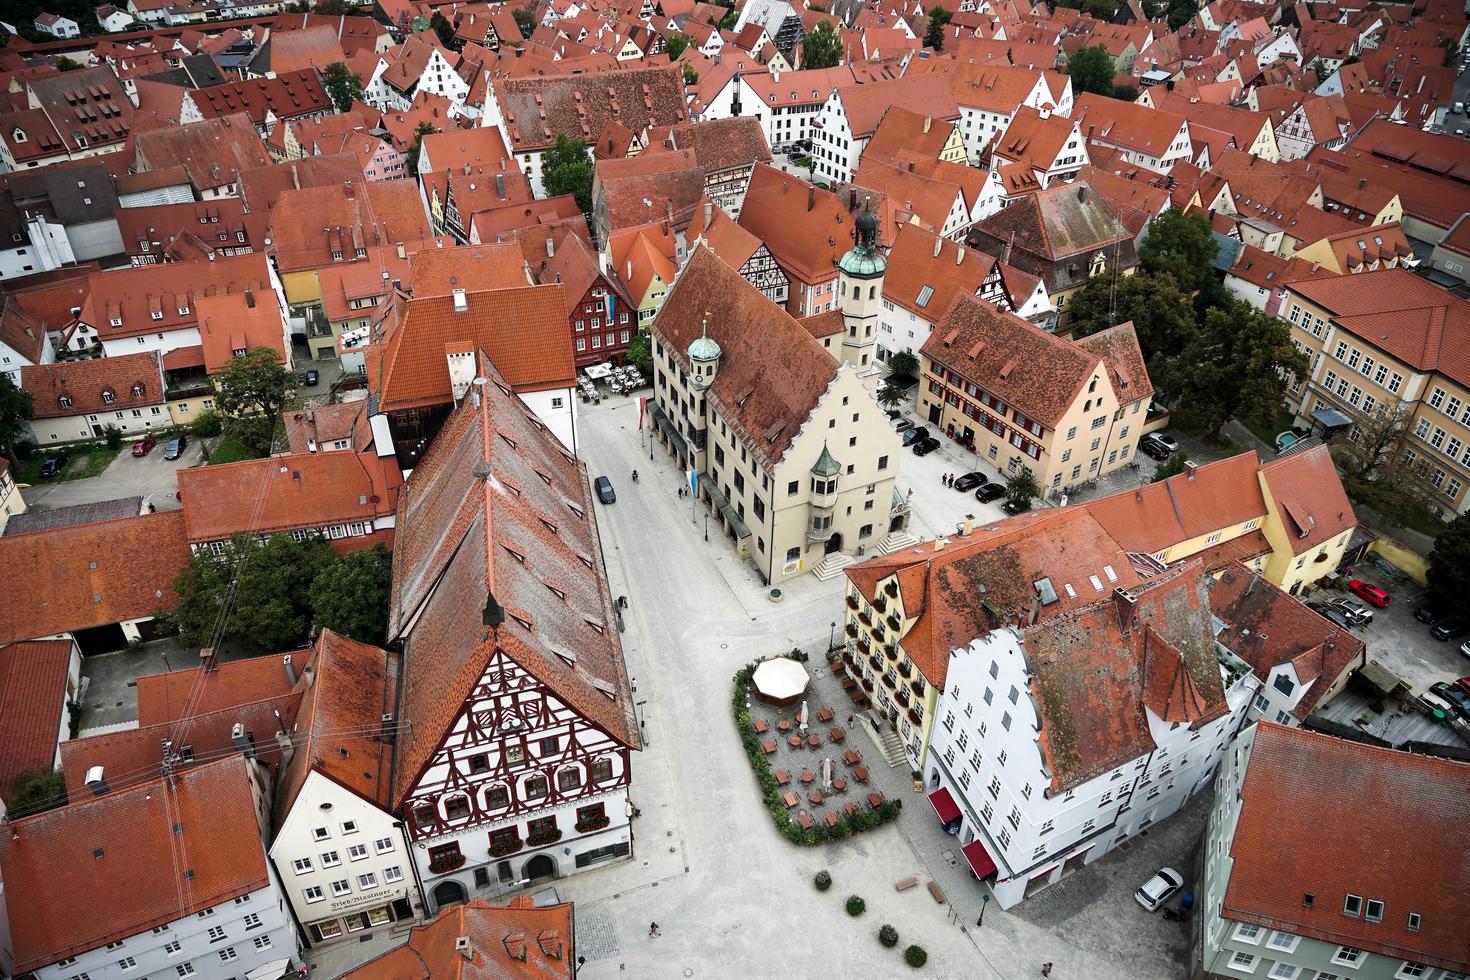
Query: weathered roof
33	696
522	941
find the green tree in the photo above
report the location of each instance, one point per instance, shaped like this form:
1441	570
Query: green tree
1100	9
822	48
441	26
640	353
64	63
1181	245
675	45
411	158
903	365
17	408
330	8
1021	490
1125	93
1092	70
525	20
1449	564
265	586
939	19
35	791
350	596
1235	368
567	169
255	383
690	75
1180	11
1172	466
343	85
890	395
1161	313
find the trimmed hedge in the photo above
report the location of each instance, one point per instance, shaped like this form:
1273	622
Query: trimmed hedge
856	906
915	956
888	936
760	764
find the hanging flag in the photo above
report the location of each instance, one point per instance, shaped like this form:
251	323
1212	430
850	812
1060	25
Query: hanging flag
642	399
611	302
694	482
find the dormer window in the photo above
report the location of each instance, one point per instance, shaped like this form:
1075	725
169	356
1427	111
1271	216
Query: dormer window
336	255
19	136
156	314
108	396
183	311
64	401
137	389
116	321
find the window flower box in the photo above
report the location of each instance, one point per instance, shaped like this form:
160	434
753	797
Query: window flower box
892	589
596	823
445	863
544	838
508	845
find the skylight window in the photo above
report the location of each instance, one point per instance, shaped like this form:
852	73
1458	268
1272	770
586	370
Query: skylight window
925	295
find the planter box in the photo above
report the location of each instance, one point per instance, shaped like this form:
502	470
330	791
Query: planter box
502	848
591	825
445	865
541	840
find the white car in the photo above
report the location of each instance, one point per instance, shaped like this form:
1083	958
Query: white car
1465	648
1156	891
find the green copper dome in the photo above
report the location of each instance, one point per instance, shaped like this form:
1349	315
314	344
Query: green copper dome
704	349
825	464
863	263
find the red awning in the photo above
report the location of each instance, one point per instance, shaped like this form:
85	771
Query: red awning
944	805
980	860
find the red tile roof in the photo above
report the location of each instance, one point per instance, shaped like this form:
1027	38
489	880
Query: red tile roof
286	493
171	290
213	151
440	271
1308	497
104	855
807	230
231	323
538	109
344	219
499	515
1216	495
913	266
174	695
522	941
286	96
34	689
1293	837
105	384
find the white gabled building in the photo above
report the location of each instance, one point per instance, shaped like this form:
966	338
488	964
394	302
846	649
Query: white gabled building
341	855
171	874
516	723
1060	740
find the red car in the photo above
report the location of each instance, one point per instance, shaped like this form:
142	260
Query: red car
1370	592
1464	684
143	445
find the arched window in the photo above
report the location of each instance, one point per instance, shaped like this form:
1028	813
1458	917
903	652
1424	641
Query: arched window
137	389
568	778
496	796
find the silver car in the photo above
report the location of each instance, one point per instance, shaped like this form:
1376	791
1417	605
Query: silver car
1357	613
1156	891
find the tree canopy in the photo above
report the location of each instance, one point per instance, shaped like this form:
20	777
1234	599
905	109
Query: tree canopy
343	85
254	384
567	169
1449	564
411	158
350	596
35	791
16	409
441	26
904	365
1161	313
675	45
1021	490
1092	70
821	48
1181	245
1172	466
525	20
939	19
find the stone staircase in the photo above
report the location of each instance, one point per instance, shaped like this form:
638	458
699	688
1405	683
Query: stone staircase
896	541
893	749
831	566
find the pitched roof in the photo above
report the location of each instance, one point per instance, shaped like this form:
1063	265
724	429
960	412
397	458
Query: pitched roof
300	50
1033	139
351	687
1127	124
522	330
521	941
323	425
1194	503
440	271
88	106
1266	628
179	694
103	854
1055	232
20	331
865	104
283	493
88	513
1309	496
767	398
539	109
286	96
234	322
346	220
1118	349
1292	838
928	284
642	254
33	694
212	151
498	517
104	384
1038	373
133	296
806	229
722	144
729	240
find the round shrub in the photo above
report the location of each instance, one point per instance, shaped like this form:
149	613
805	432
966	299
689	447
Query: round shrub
888	936
915	956
823	881
855	905
207	425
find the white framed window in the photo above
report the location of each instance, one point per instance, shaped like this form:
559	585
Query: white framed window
383	845
252	921
357	852
302	865
320	833
1248	932
227	954
184	969
367	880
340	888
262	942
1284	971
173	947
1375	910
126	963
313	894
1352	905
1243	962
395	873
1347	956
216	933
1409	970
349	826
1283	941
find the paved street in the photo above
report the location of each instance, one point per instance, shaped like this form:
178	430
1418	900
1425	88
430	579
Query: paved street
730	895
151	478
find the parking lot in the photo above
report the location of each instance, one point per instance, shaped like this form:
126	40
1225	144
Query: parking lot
150	477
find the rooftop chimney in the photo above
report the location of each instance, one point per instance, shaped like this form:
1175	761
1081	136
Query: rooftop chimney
206	658
1190	466
938	244
959	255
939	544
968	526
290	670
811	198
241	740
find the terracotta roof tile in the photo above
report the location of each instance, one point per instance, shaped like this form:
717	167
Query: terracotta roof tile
171	290
346	219
538	109
102	854
286	96
230	323
1309	497
1118	348
1292	839
521	941
1213	496
34	689
723	144
440	271
913	267
807	245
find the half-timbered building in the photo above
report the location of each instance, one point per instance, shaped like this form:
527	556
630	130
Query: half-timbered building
516	723
744	253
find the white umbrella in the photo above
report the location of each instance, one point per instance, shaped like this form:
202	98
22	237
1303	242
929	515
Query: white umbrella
827	773
802	721
780	679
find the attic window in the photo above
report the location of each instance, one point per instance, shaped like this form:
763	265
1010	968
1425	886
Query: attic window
577	509
508	440
183	311
108	396
137	389
514	554
156	314
549	525
925	294
522	618
556	592
545	477
64	401
601	629
585	560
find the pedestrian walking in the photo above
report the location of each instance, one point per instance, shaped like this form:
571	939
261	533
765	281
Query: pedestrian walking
635	476
1046	969
849	721
653	931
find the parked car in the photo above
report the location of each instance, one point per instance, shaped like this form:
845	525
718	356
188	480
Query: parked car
925	446
144	446
969	481
899	424
1454	697
1156	891
1359	614
1334	614
911	436
1426	614
174	448
1169	442
1464	682
1450	628
1465	648
989	492
604	488
1374	594
312	377
1153	445
55	464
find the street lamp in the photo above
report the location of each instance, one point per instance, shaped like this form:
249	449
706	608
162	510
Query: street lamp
984	901
832	635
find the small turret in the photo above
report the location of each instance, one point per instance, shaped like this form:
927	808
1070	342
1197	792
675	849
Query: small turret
704	358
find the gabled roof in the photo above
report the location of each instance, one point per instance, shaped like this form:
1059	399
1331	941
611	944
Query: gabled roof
772	374
21	332
1117	347
103	854
722	144
294	93
213	152
319	226
1058	223
1216	495
105	384
133	296
88	106
497	524
538	109
903	131
928	284
1293	838
1127	124
1309	497
1267	628
521	941
807	230
33	695
230	323
865	104
728	240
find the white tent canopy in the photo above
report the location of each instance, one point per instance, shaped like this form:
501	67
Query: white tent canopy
780	679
